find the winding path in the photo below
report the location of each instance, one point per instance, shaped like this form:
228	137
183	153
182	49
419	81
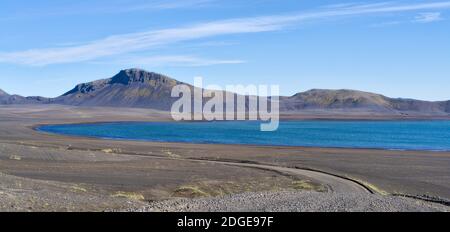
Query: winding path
334	183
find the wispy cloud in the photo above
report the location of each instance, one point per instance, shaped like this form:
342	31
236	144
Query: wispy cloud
127	43
428	17
155	5
386	24
181	4
106	7
121	44
171	61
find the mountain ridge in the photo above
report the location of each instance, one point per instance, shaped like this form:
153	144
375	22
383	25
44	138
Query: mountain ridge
137	88
8	99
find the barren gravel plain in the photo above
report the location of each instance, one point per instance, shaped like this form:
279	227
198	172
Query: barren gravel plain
44	172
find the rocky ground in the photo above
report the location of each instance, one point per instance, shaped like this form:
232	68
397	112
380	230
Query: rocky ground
22	195
298	201
25	195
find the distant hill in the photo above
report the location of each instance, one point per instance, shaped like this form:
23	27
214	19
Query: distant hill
3	93
7	99
141	89
357	101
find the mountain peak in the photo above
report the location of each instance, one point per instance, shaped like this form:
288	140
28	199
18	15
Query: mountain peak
126	77
128	88
136	72
134	75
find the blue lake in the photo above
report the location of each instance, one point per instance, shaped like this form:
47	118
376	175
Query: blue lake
402	135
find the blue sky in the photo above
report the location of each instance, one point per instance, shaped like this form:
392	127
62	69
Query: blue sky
397	48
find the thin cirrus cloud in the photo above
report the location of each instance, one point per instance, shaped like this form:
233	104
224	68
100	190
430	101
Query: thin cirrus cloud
172	60
110	7
144	41
154	5
428	17
180	4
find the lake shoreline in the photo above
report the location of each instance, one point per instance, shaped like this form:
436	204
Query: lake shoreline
305	130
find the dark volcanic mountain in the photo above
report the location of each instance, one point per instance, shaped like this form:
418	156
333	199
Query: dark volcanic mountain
140	89
129	88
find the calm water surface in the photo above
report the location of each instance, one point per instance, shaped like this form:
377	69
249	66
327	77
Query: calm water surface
403	135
